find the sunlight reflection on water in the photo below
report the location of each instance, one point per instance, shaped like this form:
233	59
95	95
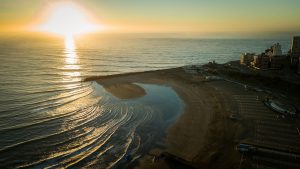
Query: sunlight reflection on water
70	50
71	68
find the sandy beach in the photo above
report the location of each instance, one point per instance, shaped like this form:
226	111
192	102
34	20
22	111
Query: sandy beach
200	135
204	136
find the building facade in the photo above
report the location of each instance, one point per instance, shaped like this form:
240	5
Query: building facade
246	58
274	50
277	61
294	60
256	61
265	61
296	46
295	53
298	71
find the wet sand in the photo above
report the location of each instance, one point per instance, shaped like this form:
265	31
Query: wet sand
124	91
203	135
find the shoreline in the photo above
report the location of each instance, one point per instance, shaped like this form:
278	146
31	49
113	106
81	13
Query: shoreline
203	136
188	136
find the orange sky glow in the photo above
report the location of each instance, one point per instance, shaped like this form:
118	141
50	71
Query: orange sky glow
65	17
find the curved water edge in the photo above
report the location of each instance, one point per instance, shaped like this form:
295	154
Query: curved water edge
93	129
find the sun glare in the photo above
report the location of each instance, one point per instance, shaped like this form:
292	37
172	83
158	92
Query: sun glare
67	19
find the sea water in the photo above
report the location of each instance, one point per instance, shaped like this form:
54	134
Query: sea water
49	118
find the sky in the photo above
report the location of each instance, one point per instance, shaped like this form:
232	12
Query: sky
187	16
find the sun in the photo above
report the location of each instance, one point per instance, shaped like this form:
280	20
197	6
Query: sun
67	19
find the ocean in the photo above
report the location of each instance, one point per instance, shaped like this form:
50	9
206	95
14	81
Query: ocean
49	118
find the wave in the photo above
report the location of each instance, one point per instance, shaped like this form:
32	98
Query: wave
99	135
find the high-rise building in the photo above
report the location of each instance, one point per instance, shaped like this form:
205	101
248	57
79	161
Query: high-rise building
295	52
246	58
265	61
298	66
274	50
296	46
